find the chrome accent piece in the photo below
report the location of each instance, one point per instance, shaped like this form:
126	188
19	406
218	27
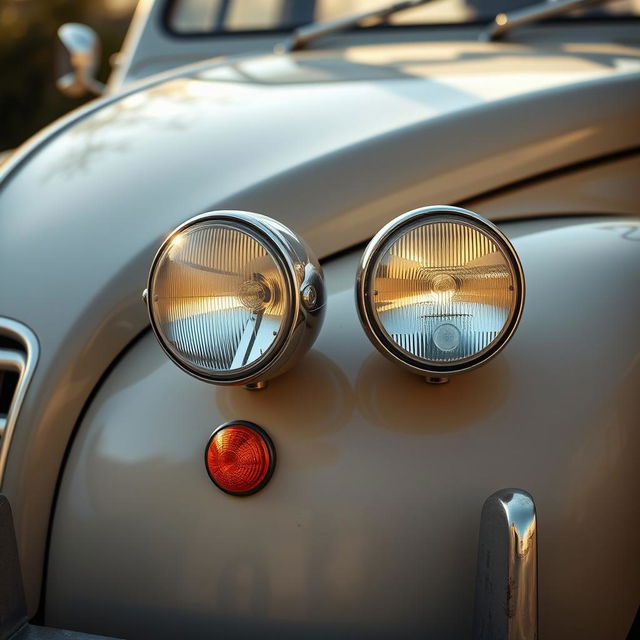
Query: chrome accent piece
303	35
436	379
505	22
83	46
309	297
256	386
22	363
506	603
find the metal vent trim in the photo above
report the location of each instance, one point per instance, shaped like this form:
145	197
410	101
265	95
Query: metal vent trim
23	362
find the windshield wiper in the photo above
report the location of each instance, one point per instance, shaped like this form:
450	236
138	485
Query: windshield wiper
505	22
303	35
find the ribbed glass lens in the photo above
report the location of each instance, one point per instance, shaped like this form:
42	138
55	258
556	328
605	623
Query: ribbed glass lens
218	297
442	291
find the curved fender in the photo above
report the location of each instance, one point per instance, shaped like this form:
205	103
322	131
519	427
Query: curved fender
369	527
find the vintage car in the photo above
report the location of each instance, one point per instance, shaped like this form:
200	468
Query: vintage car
267	363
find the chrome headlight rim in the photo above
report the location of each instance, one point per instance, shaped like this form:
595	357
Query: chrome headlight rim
297	267
386	236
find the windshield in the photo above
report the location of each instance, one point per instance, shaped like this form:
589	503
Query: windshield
224	16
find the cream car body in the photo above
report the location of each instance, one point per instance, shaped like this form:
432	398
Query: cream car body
369	526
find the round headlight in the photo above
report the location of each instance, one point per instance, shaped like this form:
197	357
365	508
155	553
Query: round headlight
440	290
235	297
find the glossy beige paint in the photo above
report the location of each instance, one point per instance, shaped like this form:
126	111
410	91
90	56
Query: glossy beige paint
84	206
369	526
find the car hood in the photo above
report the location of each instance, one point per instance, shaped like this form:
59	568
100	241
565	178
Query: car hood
312	139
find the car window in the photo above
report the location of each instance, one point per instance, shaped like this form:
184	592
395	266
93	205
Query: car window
223	16
217	15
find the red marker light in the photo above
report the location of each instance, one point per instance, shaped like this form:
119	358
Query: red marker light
240	458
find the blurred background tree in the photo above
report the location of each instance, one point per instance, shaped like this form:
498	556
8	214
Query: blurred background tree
28	48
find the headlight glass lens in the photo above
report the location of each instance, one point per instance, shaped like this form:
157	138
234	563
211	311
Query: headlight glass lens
442	291
219	297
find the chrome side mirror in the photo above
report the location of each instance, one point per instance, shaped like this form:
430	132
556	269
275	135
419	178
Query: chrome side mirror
83	46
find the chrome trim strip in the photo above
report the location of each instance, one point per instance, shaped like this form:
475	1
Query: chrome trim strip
506	603
13	360
10	360
25	366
